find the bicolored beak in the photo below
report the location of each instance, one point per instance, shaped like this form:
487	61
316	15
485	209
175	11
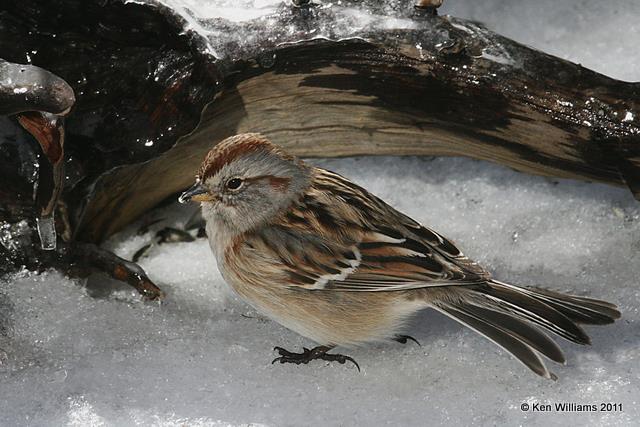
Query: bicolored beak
197	193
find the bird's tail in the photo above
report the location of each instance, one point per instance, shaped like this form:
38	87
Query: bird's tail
507	314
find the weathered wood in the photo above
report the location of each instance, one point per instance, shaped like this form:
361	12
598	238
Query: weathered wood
26	87
540	115
434	86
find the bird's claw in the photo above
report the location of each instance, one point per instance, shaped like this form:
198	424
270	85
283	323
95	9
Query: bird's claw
308	355
402	339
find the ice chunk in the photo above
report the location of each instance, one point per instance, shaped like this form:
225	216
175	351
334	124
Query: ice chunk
47	232
225	26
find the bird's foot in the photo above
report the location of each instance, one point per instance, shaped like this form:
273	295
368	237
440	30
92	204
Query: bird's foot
402	339
310	354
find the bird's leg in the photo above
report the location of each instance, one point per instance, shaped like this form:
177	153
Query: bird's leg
402	339
320	352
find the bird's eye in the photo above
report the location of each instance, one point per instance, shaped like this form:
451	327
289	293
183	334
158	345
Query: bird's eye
234	183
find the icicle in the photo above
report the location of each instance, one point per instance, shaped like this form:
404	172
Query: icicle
48	129
47	232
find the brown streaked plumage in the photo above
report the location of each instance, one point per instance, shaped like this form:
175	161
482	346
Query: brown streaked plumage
329	260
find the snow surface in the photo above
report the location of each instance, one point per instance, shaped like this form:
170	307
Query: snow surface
95	354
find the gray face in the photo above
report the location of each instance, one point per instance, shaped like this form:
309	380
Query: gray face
252	189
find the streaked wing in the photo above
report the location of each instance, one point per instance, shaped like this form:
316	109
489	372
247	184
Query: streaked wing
400	263
365	244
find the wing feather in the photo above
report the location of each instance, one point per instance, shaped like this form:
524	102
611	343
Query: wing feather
364	245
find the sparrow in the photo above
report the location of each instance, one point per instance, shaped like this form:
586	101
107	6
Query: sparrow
334	263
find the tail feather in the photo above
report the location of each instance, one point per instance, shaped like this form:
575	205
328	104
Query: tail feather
522	304
580	310
507	315
502	337
520	329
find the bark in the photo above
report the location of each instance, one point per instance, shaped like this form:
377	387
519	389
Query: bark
153	98
537	114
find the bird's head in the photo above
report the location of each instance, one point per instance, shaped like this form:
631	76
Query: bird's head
245	180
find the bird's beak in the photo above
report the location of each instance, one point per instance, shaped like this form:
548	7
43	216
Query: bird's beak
196	193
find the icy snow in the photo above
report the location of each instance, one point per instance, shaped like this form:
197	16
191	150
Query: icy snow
275	22
95	354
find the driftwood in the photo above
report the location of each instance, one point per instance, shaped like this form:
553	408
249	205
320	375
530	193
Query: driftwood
153	98
26	87
401	92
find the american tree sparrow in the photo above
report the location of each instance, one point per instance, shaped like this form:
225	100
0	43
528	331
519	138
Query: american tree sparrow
327	259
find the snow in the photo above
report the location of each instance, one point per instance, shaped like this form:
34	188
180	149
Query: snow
274	22
600	35
74	353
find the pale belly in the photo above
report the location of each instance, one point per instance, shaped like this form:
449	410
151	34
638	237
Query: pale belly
326	317
330	317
